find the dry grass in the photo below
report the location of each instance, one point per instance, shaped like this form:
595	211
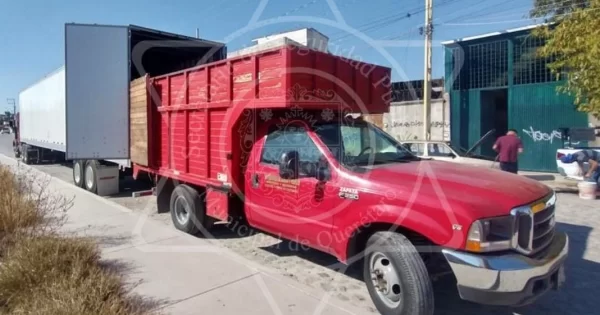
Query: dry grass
42	272
12	196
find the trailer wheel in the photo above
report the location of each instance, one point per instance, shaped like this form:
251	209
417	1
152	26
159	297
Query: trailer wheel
91	169
188	211
78	177
16	149
25	155
396	276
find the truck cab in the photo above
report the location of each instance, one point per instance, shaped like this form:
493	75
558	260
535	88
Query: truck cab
343	186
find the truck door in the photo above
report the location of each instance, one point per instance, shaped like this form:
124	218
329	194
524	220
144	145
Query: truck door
297	208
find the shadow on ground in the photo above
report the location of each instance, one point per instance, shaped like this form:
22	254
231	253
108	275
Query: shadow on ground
577	296
542	177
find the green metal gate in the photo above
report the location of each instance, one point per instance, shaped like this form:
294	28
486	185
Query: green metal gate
535	108
537	112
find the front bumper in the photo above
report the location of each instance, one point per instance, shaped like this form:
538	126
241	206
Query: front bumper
509	279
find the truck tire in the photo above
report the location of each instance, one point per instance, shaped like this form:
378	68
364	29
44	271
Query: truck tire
188	210
78	177
91	169
25	157
396	276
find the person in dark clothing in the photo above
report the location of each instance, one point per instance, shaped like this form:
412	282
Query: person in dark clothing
590	156
509	147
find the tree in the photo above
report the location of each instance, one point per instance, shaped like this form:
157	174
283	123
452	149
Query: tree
555	9
573	45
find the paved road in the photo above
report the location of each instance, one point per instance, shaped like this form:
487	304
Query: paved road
579	218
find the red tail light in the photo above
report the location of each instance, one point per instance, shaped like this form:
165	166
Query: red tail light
559	155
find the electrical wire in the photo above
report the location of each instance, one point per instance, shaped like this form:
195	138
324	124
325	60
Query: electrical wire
514	20
510	21
390	20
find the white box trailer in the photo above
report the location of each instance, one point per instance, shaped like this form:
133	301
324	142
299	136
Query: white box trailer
42	112
80	112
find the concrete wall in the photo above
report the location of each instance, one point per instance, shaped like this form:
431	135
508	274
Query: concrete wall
405	120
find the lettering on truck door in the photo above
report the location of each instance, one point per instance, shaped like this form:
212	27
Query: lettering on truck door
295	207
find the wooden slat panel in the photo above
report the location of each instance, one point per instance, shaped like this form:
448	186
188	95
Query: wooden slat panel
138	121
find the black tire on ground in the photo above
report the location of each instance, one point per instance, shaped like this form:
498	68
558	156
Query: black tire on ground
25	155
413	292
188	210
17	150
89	178
78	168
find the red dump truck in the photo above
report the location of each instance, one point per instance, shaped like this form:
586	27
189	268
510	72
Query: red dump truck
273	138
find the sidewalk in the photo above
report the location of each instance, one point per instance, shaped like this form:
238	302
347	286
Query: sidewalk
182	273
553	180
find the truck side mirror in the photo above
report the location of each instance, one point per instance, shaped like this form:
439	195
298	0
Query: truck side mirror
323	174
288	165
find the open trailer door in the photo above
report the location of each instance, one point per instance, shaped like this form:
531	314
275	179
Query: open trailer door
97	91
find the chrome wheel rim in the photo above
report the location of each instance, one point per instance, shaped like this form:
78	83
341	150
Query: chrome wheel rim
89	176
77	173
385	280
182	210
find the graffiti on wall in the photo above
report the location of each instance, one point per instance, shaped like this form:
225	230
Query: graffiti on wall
538	135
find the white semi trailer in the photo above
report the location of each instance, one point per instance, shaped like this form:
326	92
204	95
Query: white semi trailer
80	112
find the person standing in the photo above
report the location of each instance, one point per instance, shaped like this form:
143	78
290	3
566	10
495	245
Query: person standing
591	157
509	147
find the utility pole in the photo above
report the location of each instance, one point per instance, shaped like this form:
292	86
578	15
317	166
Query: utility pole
428	31
197	32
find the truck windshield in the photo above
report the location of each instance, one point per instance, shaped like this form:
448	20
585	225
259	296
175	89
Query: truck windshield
360	144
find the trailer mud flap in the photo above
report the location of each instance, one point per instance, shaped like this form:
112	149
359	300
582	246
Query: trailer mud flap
217	202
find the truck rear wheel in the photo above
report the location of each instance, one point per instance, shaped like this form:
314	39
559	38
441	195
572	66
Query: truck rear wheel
188	210
78	167
396	276
90	174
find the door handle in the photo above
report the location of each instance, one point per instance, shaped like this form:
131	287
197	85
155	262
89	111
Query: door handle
255	180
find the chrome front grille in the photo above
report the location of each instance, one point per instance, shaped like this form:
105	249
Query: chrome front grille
543	229
532	232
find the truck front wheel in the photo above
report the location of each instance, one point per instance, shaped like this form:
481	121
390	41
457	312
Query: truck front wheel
396	276
188	211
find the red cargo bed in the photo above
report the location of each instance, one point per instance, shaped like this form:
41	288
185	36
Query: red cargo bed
197	124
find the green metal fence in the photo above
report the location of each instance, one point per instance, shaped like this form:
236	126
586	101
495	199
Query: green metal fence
527	66
535	108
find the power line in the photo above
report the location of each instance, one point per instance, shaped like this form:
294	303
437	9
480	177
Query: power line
476	12
391	19
478	15
512	21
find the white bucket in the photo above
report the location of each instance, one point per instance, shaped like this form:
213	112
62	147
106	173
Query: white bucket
587	190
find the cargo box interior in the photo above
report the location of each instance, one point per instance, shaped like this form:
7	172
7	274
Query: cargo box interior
156	53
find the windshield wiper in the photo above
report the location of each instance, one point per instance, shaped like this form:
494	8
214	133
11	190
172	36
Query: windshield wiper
398	159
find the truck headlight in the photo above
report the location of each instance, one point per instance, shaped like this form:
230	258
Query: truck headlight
488	235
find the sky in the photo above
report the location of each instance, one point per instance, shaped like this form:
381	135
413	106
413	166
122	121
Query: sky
384	32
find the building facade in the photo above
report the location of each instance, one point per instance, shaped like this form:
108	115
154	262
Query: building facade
497	82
